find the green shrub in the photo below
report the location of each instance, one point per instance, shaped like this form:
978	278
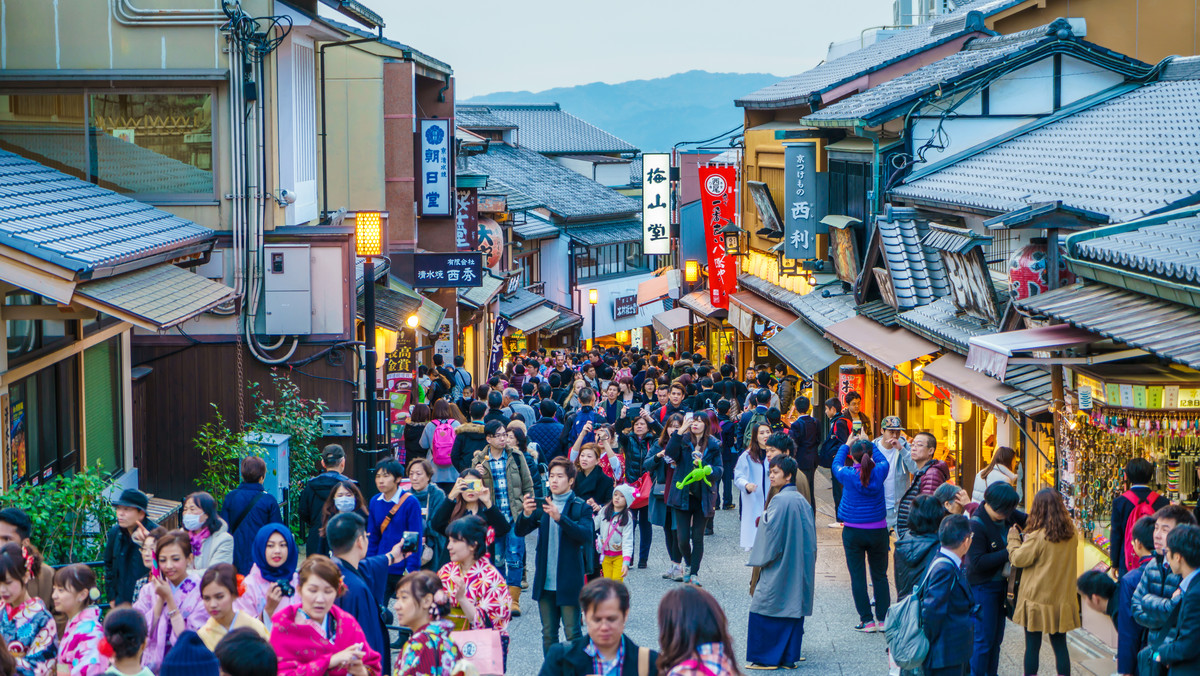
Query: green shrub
71	514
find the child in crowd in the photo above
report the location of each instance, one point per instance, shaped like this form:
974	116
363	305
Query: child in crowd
391	514
124	641
75	596
614	534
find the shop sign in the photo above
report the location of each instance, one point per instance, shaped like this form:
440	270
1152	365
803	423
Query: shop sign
625	306
656	203
492	204
497	345
886	289
765	205
444	344
845	253
400	381
1138	396
718	189
804	200
760	351
448	270
466	219
851	379
971	284
436	194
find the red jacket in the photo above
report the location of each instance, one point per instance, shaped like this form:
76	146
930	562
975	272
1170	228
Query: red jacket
937	474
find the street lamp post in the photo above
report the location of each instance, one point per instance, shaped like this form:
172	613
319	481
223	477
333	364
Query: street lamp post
593	296
368	243
691	275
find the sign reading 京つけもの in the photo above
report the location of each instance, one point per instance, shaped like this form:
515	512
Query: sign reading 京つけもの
718	189
445	270
803	201
625	306
466	219
656	203
436	192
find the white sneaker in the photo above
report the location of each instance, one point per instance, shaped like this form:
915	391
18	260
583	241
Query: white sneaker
836	524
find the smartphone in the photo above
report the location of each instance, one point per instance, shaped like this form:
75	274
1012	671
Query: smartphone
474	485
857	425
409	542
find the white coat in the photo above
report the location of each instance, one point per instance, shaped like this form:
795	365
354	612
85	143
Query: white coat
747	471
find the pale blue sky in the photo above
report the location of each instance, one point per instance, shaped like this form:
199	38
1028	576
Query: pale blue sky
539	44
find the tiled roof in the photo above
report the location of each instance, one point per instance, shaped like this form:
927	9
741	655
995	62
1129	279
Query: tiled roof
535	227
879	312
515	200
940	322
479	117
635	171
596	234
1116	158
74	224
161	296
917	273
823	306
799	89
893	98
547	128
417	55
1169	250
953	239
521	301
547	183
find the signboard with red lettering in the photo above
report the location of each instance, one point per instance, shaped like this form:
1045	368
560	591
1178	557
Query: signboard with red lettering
718	190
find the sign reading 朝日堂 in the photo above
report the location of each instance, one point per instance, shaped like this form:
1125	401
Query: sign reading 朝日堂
437	197
656	203
718	188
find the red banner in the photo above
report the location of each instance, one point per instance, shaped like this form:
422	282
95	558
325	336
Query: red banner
718	186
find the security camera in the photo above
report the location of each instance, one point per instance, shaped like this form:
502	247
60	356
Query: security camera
285	198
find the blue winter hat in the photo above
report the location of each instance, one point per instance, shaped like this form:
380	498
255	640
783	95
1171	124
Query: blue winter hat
190	657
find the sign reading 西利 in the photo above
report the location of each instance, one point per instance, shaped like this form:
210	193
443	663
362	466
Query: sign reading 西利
656	203
436	194
718	191
803	201
448	270
625	306
466	220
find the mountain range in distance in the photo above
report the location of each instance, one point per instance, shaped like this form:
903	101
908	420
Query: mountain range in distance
653	115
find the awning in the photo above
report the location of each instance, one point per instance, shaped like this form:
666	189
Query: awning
532	320
535	228
481	295
565	320
153	298
762	308
803	348
658	288
611	233
989	354
950	371
670	320
429	313
392	308
701	303
518	303
881	346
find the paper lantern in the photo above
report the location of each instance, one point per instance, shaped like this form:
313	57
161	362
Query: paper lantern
902	374
924	389
1027	270
960	409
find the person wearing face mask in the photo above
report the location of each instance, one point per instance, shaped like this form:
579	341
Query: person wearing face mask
211	541
272	581
344	498
247	509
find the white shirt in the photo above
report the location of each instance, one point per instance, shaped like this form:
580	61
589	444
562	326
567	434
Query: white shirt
889	486
952	556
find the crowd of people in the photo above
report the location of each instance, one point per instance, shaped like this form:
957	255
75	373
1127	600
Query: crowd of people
593	453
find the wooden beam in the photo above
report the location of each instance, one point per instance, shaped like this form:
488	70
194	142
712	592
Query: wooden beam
29	368
48	312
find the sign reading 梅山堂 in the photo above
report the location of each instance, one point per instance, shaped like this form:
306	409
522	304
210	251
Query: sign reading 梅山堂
656	203
803	200
443	270
437	195
625	306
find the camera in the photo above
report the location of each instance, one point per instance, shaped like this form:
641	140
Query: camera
285	586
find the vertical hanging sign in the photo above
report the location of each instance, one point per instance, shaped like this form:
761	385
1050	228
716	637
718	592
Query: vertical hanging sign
497	345
803	201
437	196
718	187
656	203
466	220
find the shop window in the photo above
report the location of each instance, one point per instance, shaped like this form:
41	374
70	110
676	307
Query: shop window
155	146
531	268
29	337
610	260
44	433
102	415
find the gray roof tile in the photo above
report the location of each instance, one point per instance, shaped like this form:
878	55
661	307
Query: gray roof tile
519	302
80	226
541	181
917	273
1135	153
479	117
940	322
1169	250
547	128
823	306
596	234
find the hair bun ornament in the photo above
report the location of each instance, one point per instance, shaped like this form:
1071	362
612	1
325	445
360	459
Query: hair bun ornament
28	560
342	588
105	648
241	585
94	594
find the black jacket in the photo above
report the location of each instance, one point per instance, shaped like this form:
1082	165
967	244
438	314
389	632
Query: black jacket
948	599
1121	509
806	435
989	546
1181	651
577	533
123	563
596	486
570	658
312	501
637	453
679	449
468	438
913	556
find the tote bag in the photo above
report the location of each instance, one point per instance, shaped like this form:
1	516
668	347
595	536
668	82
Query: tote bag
482	648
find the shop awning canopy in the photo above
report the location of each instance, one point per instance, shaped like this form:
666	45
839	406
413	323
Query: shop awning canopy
429	313
802	348
392	308
481	295
990	353
153	298
532	320
762	308
565	320
950	372
670	320
658	287
700	303
883	347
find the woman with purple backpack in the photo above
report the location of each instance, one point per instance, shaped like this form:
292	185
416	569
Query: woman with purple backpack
438	439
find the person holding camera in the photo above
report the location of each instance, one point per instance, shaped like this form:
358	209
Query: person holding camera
469	497
272	581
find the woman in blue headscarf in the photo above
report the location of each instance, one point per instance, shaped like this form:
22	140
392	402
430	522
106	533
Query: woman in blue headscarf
272	582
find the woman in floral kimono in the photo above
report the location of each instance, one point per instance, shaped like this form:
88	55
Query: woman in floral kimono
25	624
420	601
472	582
170	601
75	595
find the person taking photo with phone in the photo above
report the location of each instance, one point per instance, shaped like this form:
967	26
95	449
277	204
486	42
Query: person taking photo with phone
469	497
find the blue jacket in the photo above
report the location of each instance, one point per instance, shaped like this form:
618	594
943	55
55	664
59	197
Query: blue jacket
861	504
1130	634
366	588
265	511
546	433
948	599
408	518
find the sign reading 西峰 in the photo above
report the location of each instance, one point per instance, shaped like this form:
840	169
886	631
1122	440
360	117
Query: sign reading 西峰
448	270
625	306
656	203
466	220
718	191
436	191
804	201
497	344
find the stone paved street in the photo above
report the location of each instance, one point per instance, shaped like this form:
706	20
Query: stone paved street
831	646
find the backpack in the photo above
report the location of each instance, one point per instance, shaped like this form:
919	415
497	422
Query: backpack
904	627
830	446
582	418
443	442
756	418
1140	509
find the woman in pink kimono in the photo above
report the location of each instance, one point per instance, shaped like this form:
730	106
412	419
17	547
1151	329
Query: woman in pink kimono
170	601
75	595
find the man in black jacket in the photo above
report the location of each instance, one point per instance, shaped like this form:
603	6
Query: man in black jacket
469	437
840	429
316	492
605	606
123	551
947	600
985	566
1138	473
1181	651
806	435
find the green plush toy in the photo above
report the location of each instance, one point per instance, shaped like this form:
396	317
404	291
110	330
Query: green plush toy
700	473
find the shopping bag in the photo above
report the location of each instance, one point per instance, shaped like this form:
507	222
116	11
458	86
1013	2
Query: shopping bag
641	491
482	648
